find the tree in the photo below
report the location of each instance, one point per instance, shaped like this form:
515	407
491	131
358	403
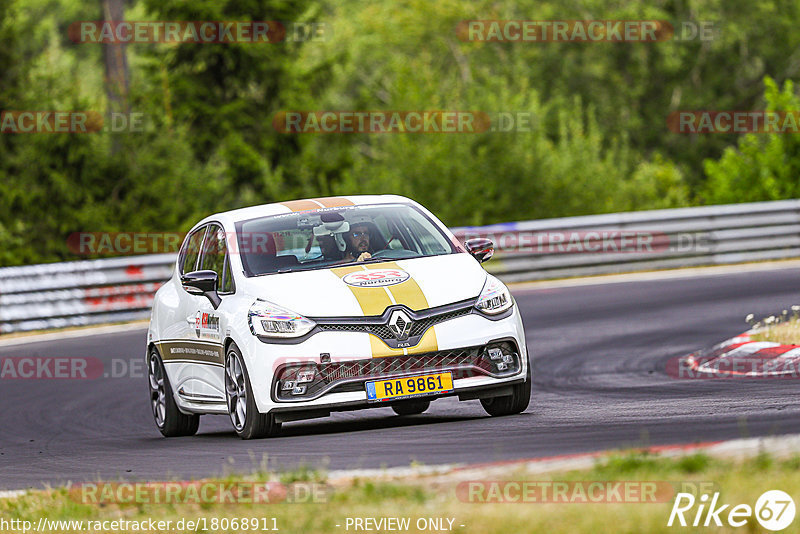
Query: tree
763	166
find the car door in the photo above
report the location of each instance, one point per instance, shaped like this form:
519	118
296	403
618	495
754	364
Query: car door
208	369
177	344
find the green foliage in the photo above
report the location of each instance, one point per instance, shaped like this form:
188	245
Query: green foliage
56	184
568	164
763	166
227	93
598	143
630	463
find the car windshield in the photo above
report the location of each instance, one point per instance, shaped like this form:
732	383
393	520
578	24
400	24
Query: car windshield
338	236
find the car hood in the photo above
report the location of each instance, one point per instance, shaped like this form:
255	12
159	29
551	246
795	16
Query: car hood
364	290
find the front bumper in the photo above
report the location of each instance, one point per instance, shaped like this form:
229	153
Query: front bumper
296	413
344	361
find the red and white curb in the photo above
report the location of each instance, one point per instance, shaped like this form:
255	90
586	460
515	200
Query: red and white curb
740	357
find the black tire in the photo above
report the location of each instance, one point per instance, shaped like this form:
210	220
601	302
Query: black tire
510	404
412	407
171	422
255	425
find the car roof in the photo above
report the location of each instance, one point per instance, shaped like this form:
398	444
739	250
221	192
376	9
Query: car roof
229	218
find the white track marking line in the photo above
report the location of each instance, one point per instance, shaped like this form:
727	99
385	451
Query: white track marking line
667	274
85	332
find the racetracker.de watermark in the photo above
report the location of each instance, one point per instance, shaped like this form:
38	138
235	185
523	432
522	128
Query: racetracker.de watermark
200	492
70	368
423	121
73	122
586	31
734	122
196	32
505	241
408	122
734	367
575	491
599	241
125	243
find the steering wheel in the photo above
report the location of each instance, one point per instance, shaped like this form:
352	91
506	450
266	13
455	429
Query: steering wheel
394	253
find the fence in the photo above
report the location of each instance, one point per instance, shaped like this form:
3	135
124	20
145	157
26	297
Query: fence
120	289
58	295
660	239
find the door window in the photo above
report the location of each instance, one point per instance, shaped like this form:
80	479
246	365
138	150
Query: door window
191	250
214	257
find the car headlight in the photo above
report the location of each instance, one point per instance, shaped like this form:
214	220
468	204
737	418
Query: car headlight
495	297
270	320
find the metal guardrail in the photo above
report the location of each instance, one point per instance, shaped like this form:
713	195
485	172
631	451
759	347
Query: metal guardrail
57	295
120	289
660	239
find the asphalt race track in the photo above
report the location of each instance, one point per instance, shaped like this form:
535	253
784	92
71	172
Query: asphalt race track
598	352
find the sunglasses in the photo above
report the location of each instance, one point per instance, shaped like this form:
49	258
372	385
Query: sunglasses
356	235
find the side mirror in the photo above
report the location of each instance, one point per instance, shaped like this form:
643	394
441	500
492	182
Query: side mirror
202	283
481	248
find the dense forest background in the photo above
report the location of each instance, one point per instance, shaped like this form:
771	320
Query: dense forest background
600	142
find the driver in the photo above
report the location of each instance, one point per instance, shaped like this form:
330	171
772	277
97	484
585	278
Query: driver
358	245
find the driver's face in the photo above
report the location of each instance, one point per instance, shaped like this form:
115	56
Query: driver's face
359	238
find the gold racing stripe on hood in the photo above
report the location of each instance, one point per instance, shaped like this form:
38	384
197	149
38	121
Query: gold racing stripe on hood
375	300
317	203
334	202
302	205
408	293
428	343
380	349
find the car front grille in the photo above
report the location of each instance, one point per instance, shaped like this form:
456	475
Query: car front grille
399	365
419	327
381	329
351	375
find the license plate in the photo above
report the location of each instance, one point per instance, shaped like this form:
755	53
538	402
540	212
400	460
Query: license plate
409	386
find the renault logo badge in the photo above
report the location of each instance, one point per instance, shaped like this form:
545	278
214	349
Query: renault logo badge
400	324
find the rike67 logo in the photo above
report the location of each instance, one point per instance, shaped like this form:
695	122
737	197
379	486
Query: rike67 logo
774	510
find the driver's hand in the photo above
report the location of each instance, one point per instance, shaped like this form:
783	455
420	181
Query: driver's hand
364	256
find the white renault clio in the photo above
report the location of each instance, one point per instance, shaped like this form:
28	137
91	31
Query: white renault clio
293	310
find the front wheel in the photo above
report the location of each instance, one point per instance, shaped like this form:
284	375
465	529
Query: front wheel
510	404
169	419
247	421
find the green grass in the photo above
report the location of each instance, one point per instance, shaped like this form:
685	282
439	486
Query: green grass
786	332
424	497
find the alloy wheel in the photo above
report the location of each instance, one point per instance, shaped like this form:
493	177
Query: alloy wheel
236	390
158	400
